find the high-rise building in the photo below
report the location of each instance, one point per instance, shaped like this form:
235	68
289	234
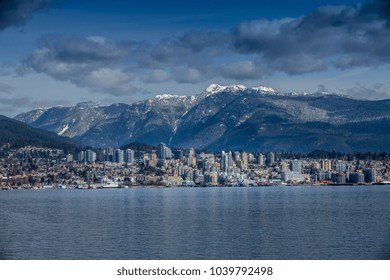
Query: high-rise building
296	166
270	158
118	156
251	158
81	156
326	164
315	166
226	162
129	156
339	178
168	153
356	177
191	160
87	156
370	175
90	156
244	158
191	152
339	166
108	154
261	159
161	150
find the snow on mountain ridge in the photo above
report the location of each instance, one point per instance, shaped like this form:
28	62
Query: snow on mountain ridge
264	89
223	117
64	129
169	96
216	88
31	116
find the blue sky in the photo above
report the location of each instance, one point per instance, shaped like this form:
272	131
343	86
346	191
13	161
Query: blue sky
66	51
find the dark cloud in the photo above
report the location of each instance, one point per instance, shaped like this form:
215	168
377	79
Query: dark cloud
15	12
110	66
198	41
337	36
374	92
92	62
296	64
340	37
189	58
86	49
242	70
376	8
193	49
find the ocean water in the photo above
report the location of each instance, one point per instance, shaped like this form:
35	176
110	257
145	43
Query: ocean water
343	222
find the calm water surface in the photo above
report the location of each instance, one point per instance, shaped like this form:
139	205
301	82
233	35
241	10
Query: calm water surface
197	223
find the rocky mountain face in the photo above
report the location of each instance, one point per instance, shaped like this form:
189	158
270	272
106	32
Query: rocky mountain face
228	117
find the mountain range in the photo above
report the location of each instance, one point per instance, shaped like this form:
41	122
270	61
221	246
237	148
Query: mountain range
227	118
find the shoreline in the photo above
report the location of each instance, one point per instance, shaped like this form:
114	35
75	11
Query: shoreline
53	187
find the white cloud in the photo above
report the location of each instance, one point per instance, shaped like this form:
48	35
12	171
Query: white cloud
374	92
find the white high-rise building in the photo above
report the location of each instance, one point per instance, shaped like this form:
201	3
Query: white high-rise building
261	159
81	156
226	162
163	152
90	156
129	156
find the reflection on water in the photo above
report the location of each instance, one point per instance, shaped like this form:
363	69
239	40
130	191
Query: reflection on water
197	223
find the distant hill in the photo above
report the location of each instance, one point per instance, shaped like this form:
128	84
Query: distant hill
228	118
18	134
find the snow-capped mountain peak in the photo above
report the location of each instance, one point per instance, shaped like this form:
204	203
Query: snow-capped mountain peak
264	89
31	116
226	117
166	96
216	88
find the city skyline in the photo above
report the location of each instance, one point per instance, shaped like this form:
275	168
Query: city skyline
65	52
45	168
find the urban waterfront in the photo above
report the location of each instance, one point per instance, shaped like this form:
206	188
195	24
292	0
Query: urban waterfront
41	168
278	222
